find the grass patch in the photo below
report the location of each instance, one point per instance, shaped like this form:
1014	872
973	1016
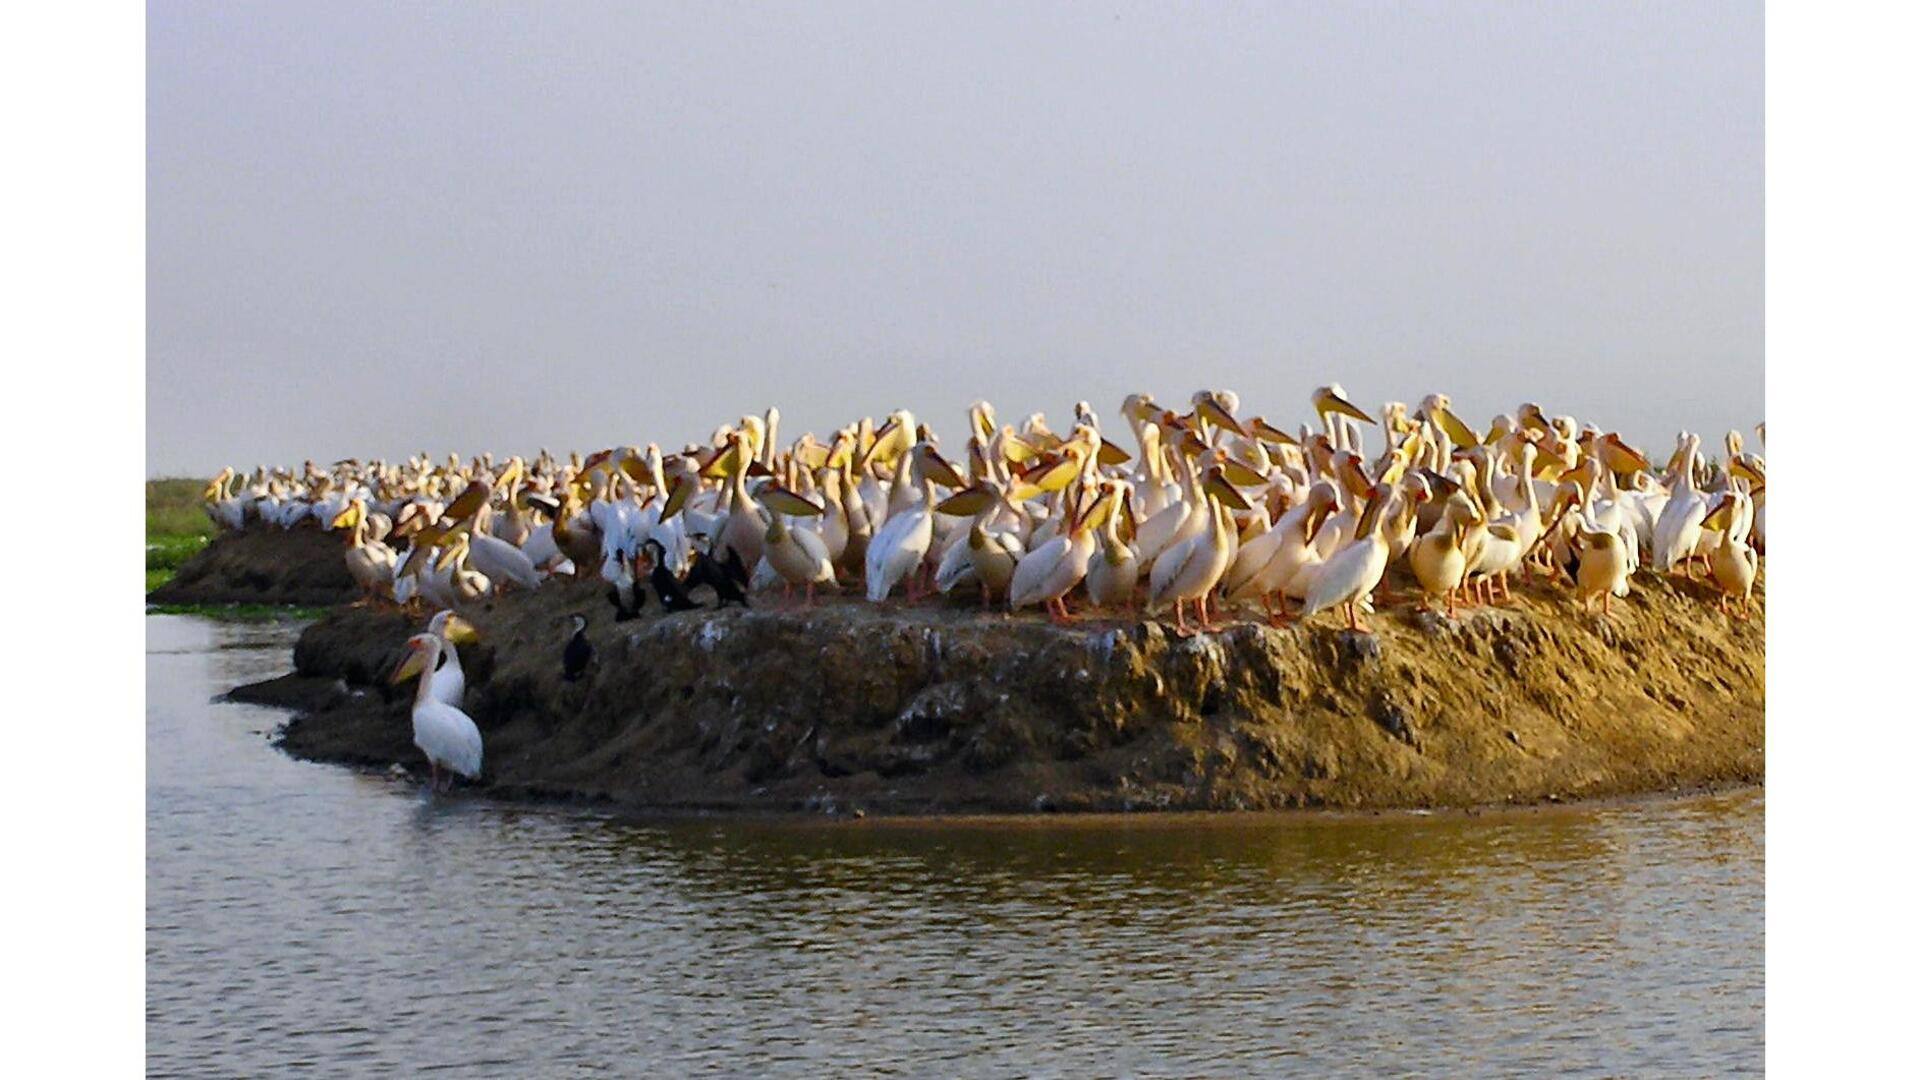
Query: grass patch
174	509
177	527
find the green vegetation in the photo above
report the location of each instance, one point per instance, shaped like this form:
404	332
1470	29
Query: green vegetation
174	510
177	527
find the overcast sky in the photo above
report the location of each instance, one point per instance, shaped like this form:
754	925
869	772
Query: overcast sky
379	228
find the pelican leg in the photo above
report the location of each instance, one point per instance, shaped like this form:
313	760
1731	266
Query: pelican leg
433	776
1353	618
1451	594
1180	619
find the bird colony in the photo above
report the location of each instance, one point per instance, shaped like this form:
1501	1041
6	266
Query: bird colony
1200	516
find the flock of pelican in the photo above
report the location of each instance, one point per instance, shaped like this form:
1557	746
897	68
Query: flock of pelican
1199	511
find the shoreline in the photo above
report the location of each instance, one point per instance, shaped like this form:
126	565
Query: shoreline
938	711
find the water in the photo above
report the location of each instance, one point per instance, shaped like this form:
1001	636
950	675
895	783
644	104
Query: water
306	916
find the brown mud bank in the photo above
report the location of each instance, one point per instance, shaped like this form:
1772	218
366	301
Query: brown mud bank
853	707
264	565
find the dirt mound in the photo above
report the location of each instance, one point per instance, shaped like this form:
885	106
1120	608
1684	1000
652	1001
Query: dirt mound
264	565
937	709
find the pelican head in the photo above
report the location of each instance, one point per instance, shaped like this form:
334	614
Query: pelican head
1332	400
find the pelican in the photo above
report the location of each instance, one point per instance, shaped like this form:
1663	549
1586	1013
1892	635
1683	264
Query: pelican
370	562
1603	566
799	556
1677	530
447	736
1351	573
226	511
1733	564
898	548
988	554
1439	562
1114	571
1047	573
1188	571
1289	556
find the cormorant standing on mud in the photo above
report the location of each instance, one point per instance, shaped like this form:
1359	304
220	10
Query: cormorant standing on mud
579	652
673	596
726	573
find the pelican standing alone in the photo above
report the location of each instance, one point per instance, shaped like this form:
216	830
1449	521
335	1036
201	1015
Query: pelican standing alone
447	736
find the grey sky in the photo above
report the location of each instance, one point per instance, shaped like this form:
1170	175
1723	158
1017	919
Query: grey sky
377	228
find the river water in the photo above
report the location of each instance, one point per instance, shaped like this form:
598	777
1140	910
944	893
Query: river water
310	917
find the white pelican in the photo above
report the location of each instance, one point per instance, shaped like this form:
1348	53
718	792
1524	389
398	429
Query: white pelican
370	562
988	554
1677	531
449	680
1292	552
1733	564
904	540
447	736
1351	573
225	510
799	556
1188	571
1114	571
1604	566
1439	562
1047	573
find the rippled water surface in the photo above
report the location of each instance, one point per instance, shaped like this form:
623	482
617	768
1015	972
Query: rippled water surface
308	916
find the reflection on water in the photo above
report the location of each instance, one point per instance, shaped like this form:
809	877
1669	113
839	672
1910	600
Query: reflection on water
302	914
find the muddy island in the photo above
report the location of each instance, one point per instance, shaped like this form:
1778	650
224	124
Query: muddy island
852	707
303	567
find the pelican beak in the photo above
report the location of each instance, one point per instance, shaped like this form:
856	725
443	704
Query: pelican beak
940	470
472	498
1316	518
889	442
511	475
1024	492
1266	432
1240	473
683	489
1216	485
982	416
345	519
1112	454
1722	515
460	631
411	666
1218	416
784	501
1456	429
966	502
1051	478
1331	402
1018	450
1096	514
